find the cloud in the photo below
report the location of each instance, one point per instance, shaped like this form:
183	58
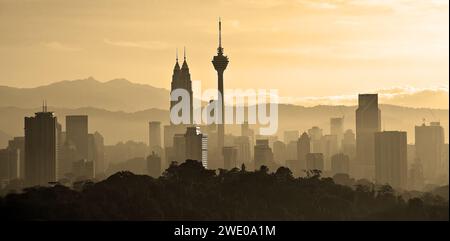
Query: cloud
151	45
436	97
58	46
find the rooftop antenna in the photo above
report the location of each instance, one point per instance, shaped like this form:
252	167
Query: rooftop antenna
184	53
176	54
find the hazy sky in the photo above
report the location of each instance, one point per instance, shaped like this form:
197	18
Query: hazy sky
304	48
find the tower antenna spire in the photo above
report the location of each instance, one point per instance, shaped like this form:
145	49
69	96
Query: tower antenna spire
220	33
176	54
184	53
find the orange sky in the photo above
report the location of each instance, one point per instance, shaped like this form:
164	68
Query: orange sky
308	49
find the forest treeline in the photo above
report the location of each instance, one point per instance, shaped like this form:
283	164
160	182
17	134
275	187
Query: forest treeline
187	191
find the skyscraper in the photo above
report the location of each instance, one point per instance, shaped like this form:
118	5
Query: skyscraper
154	137
243	146
290	136
154	165
349	144
196	145
337	129
315	133
263	153
430	148
314	161
279	152
18	145
303	148
97	152
340	163
220	63
41	156
77	134
368	121
391	166
181	79
230	157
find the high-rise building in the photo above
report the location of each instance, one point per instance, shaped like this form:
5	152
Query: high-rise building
279	152
337	129
328	149
181	79
77	134
83	169
263	153
97	152
416	180
243	146
154	165
9	165
368	121
179	148
303	148
430	148
349	144
340	163
314	161
290	136
230	157
196	145
220	62
391	166
154	137
41	148
315	133
17	144
291	150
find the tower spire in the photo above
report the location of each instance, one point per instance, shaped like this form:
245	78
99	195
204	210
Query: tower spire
177	55
184	53
220	49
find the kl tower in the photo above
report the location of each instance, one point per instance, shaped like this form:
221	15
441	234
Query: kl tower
220	63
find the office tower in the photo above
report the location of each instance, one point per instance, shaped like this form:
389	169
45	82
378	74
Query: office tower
303	148
196	145
349	144
430	148
271	139
243	146
181	79
368	121
290	136
77	134
230	157
169	148
314	161
291	150
179	148
279	152
328	148
263	153
97	152
18	145
337	129
220	63
154	137
83	169
154	165
340	163
315	133
416	180
9	165
391	166
41	152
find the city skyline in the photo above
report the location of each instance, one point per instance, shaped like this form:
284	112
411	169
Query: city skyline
314	35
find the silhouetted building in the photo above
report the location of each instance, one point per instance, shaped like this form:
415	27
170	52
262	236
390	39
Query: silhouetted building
368	121
349	144
179	148
154	165
416	180
196	145
391	166
154	137
169	136
315	134
340	163
291	150
290	136
77	134
314	161
230	157
328	148
430	148
243	146
83	169
279	152
303	148
220	63
17	144
263	153
41	152
181	79
97	152
9	165
337	129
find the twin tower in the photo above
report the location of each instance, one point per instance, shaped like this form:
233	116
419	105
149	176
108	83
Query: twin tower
181	79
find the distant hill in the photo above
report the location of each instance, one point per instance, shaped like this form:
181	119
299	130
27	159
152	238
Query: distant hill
122	126
115	95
